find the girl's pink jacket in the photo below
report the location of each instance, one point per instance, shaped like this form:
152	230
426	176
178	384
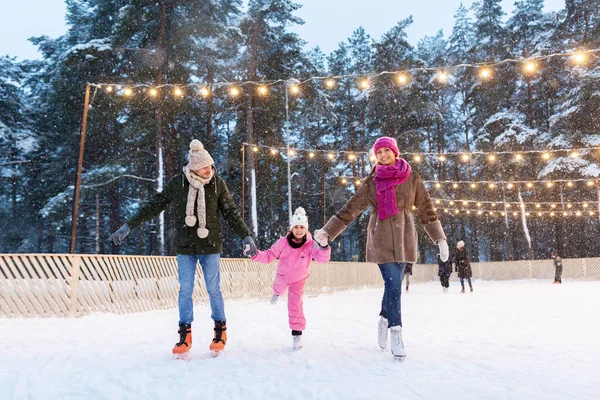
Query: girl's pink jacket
294	264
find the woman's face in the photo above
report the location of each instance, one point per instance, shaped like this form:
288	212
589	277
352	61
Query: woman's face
385	156
298	231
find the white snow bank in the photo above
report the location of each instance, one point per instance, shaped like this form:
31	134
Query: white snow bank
506	340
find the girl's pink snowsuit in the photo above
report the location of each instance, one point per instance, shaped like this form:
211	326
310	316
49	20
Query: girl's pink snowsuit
292	272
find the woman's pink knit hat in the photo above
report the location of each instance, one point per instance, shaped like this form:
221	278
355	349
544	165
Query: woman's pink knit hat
386	141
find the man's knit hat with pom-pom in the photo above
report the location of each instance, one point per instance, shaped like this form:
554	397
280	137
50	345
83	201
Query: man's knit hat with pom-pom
198	156
299	218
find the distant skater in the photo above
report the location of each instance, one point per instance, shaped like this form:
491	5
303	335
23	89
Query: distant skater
558	268
407	274
462	265
444	272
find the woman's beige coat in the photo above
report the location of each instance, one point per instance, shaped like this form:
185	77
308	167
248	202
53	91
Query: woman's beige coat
395	238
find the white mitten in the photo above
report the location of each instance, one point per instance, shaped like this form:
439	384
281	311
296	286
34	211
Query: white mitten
444	252
321	237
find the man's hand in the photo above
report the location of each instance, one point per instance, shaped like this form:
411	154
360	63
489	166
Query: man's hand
119	235
444	251
248	246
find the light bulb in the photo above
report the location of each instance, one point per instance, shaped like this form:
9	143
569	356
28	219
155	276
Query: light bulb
402	79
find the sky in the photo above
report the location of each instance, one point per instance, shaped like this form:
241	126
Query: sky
327	22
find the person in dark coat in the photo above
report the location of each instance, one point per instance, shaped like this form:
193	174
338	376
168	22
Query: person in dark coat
558	268
407	274
198	197
462	265
444	272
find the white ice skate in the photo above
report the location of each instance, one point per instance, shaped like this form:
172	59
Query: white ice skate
445	290
274	299
397	343
297	342
382	333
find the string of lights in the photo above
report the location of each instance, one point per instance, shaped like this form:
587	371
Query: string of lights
502	214
530	66
512	184
497	184
546	154
537	204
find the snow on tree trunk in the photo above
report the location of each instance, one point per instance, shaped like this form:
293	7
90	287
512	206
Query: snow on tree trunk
524	219
159	187
253	195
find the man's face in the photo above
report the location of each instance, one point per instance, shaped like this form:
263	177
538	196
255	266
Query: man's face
203	172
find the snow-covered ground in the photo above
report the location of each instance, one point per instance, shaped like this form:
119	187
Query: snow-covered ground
506	340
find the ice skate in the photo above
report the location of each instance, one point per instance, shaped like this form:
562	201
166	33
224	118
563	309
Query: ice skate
274	299
471	287
445	290
220	338
398	349
185	341
382	333
462	290
297	335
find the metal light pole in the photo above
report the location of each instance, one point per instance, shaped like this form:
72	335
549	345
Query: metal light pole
287	140
79	168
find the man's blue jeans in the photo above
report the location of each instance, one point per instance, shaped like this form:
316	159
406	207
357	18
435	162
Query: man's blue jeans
186	265
392	274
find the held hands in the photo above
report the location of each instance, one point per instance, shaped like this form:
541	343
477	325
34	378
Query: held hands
119	236
321	238
444	251
249	248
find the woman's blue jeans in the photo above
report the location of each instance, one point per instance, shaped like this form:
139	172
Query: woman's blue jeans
392	274
186	266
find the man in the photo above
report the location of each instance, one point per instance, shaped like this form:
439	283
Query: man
197	195
557	267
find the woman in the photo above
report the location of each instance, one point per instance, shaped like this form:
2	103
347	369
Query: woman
391	189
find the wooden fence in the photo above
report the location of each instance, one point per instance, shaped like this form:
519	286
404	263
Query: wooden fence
59	285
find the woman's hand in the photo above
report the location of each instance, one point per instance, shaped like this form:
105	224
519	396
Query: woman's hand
444	251
321	237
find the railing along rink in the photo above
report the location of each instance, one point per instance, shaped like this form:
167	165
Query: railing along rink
64	285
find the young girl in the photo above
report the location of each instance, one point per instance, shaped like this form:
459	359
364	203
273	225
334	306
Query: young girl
294	251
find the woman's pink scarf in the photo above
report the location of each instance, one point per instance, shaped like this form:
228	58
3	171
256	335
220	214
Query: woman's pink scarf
387	177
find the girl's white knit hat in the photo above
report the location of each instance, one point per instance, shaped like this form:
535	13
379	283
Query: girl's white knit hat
460	245
299	218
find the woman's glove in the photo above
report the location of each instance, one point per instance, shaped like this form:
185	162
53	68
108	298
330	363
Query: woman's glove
444	251
321	238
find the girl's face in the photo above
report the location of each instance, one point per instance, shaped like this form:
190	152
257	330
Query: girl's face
298	231
385	156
